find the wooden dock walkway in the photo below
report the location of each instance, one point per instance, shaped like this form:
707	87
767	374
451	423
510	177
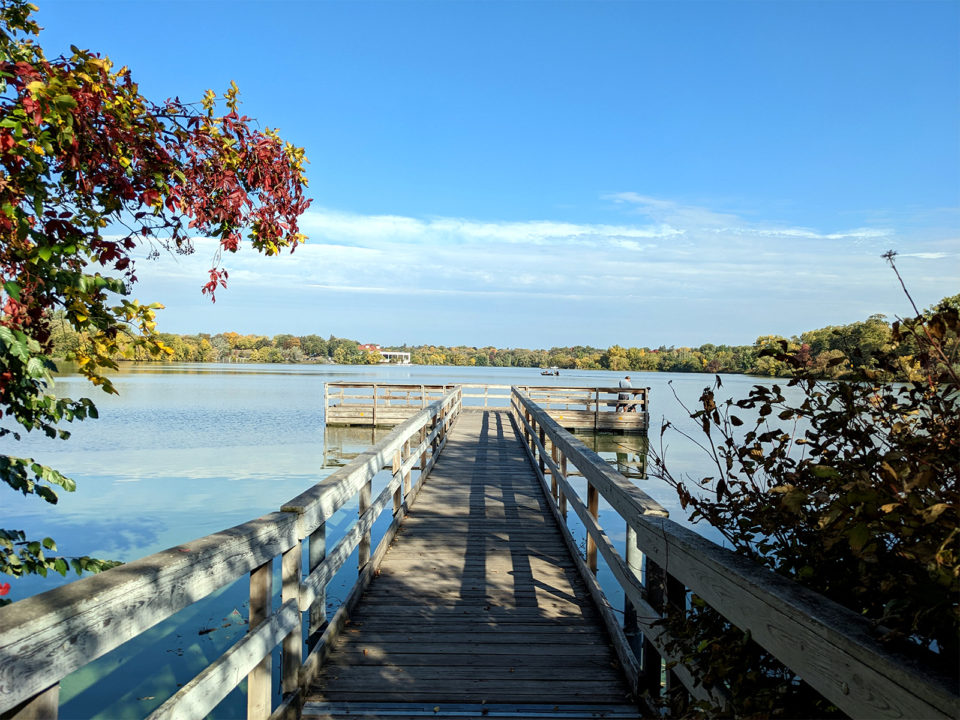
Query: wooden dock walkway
478	608
475	601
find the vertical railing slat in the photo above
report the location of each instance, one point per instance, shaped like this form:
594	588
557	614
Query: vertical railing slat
316	553
290	572
652	663
366	492
593	507
43	706
259	681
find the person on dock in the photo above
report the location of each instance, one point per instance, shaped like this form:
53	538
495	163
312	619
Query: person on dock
623	399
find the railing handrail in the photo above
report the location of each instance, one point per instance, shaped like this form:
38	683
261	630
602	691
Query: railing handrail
829	646
315	505
46	637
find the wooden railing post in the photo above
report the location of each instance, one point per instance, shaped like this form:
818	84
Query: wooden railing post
593	507
555	454
651	662
406	475
423	455
374	405
675	605
563	497
543	443
316	553
290	572
596	410
259	681
634	560
398	493
43	706
366	492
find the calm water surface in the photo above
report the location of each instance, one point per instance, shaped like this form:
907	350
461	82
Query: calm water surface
187	450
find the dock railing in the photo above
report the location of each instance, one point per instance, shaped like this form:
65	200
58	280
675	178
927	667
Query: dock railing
46	637
581	408
834	650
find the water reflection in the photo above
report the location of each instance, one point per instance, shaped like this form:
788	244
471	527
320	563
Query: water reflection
627	454
343	444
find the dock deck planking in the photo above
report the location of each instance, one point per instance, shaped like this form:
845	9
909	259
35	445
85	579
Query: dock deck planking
477	603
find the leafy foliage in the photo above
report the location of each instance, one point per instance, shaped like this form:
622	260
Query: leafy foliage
860	502
90	169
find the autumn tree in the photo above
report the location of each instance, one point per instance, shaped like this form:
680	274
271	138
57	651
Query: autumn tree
90	171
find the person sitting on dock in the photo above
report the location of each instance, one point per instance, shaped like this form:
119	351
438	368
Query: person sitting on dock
623	399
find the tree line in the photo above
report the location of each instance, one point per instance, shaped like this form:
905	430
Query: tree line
831	352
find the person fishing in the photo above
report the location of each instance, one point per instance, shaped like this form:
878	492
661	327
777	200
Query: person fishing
623	399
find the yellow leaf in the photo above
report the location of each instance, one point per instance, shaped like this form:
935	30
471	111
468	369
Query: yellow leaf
934	511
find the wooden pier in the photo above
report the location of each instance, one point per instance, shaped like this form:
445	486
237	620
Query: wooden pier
583	409
475	600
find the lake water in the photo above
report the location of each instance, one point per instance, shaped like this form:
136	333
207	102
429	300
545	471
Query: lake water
186	450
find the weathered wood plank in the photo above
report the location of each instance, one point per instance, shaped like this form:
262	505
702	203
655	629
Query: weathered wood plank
515	711
592	659
514	569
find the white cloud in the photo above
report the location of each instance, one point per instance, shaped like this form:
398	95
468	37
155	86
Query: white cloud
690	218
927	255
678	266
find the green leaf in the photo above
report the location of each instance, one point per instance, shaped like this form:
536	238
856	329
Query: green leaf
858	537
824	471
12	289
64	102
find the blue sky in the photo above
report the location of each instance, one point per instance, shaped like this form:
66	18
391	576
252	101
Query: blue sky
556	173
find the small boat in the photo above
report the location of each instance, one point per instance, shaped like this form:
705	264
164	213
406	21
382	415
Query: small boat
550	371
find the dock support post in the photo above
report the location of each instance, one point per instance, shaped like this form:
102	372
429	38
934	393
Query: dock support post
259	682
